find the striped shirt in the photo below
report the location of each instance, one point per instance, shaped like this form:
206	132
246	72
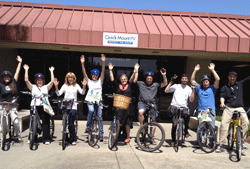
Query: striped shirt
147	93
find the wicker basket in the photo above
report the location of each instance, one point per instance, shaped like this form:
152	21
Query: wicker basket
121	102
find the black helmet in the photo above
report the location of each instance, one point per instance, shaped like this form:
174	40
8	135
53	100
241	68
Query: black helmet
39	75
6	73
205	77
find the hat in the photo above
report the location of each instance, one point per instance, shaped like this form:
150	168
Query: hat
232	73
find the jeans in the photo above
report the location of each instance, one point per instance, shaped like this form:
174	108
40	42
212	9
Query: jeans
99	114
72	131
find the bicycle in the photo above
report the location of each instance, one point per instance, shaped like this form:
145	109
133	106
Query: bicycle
150	135
235	133
206	136
179	132
35	123
6	121
95	128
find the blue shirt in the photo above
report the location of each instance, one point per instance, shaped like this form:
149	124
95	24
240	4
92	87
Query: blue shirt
206	97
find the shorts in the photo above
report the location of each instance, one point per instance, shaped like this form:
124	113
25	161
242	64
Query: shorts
154	114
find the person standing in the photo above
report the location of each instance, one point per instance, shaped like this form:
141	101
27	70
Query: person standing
9	92
70	89
232	97
38	89
94	93
125	87
182	93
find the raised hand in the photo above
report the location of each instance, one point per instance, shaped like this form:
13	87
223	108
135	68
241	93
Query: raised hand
84	82
56	82
137	66
26	67
211	66
111	66
174	77
197	67
51	68
163	73
103	57
19	59
82	59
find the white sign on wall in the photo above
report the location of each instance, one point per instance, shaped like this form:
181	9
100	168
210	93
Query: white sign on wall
120	39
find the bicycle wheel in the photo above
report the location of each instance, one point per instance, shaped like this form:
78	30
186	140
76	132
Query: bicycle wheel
64	132
33	128
114	133
150	136
177	137
230	137
52	126
238	143
4	132
94	132
206	137
182	132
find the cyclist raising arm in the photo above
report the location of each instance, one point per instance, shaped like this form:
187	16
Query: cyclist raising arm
206	91
70	89
182	92
8	90
94	93
232	97
125	88
38	89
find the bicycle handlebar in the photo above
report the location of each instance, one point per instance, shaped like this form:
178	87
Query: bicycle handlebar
234	112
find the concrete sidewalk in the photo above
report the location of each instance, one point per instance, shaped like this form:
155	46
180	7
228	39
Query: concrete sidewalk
127	156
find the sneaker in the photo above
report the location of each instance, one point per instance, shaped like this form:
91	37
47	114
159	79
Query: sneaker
28	141
74	143
172	144
87	130
47	143
244	146
187	135
101	139
153	141
219	149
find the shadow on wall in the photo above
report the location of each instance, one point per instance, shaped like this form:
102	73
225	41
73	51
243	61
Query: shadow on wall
14	33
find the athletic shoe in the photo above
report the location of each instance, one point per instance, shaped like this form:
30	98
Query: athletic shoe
244	146
87	130
47	143
219	149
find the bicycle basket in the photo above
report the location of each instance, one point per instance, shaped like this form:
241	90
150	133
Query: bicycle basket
121	102
204	116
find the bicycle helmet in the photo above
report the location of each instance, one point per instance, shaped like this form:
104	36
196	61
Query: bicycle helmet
6	73
205	77
95	72
39	75
149	74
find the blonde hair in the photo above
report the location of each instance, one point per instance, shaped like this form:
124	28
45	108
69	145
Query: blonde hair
70	74
123	76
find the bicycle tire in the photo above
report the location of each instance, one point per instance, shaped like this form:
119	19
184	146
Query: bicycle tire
183	133
238	143
64	132
52	127
150	137
11	132
94	133
114	133
33	131
177	137
4	132
230	137
206	137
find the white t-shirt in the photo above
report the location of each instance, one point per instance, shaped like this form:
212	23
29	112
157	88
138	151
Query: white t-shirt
181	95
36	92
71	93
95	91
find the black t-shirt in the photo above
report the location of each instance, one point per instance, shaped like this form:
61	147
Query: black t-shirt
6	93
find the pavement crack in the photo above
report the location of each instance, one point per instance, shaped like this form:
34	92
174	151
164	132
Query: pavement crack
136	156
117	160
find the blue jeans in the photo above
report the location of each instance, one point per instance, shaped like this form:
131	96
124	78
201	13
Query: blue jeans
72	131
99	114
